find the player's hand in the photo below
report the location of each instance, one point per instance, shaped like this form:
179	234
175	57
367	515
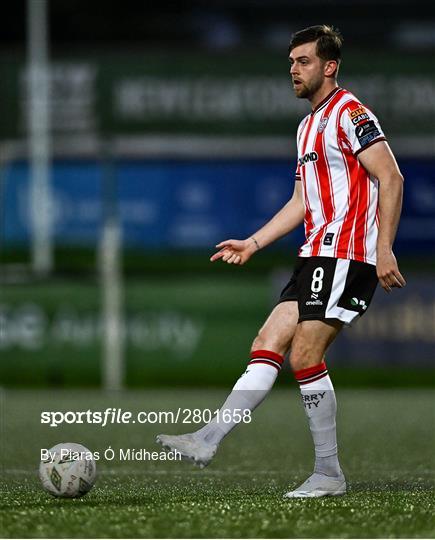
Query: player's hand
235	251
388	271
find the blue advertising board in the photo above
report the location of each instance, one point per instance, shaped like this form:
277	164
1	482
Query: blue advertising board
190	204
399	330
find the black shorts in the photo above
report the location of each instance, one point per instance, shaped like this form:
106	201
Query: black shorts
328	288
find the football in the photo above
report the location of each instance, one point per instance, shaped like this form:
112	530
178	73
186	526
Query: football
68	470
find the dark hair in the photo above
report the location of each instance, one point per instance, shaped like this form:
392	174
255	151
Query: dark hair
328	38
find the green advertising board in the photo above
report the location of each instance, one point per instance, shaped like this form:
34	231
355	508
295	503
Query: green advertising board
192	330
219	94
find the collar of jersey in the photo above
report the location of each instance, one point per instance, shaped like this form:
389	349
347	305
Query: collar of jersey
325	100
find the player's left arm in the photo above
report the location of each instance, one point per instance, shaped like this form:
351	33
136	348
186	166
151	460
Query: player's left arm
379	161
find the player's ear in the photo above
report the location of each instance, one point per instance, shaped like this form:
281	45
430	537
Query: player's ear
331	68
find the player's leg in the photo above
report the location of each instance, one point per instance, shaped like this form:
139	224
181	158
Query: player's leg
310	343
331	293
267	355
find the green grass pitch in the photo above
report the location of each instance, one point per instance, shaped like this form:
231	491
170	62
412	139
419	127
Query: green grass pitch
386	448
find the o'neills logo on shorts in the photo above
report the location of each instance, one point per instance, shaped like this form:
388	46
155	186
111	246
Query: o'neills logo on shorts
314	303
309	156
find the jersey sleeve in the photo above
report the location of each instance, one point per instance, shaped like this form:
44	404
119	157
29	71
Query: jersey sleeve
360	127
298	172
298	138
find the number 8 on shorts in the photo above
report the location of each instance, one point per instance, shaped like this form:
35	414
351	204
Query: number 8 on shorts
328	288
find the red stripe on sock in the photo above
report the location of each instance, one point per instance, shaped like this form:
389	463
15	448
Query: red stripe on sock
265	362
268	354
308	372
312	380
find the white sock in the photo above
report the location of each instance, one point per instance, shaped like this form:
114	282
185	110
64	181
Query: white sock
318	398
248	392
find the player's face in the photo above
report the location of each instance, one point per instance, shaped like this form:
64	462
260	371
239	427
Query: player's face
306	70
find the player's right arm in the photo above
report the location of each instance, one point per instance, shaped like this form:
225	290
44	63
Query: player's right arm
283	222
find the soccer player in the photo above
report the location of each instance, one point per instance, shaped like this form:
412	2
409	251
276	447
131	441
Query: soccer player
348	193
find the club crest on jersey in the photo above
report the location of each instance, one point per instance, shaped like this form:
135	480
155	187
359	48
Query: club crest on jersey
309	156
322	124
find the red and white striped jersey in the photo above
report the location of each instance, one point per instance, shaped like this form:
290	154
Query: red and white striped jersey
341	197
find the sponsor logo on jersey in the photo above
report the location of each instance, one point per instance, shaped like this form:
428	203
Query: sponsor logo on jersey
367	132
322	124
357	112
309	156
360	118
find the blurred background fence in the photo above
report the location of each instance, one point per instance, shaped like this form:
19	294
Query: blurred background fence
131	143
